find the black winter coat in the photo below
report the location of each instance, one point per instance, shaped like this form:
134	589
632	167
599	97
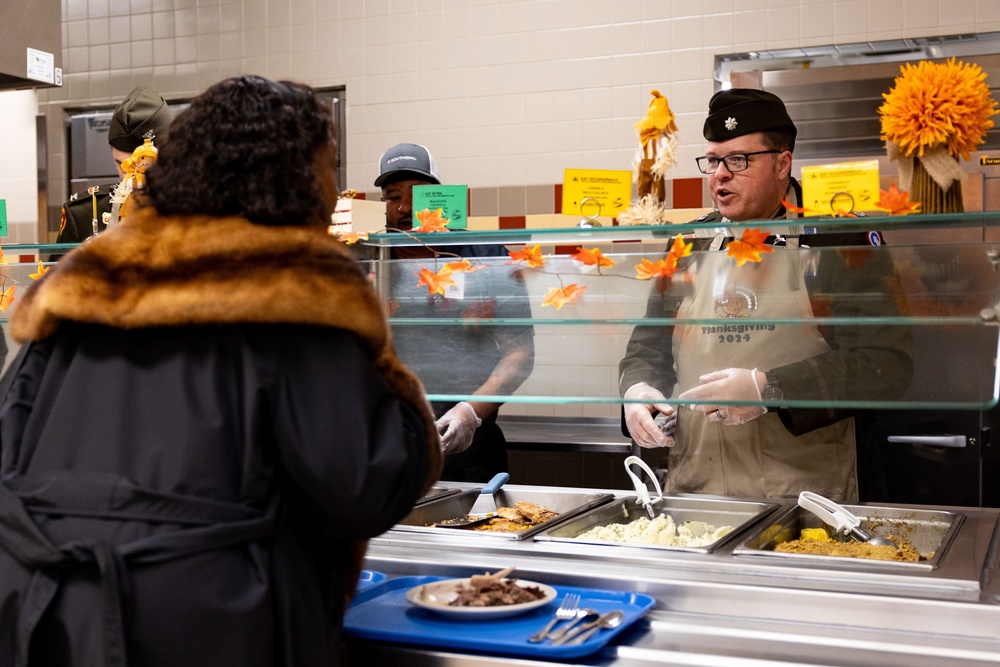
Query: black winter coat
192	486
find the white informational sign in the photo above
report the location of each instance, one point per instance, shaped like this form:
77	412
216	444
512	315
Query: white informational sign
41	66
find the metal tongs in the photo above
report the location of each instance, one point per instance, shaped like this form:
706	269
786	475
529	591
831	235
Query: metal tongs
640	487
839	518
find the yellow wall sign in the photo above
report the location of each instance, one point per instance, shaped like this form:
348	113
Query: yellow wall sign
612	189
831	189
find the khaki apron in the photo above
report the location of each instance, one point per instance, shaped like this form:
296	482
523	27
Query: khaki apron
759	459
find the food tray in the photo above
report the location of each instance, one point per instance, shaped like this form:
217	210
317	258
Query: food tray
369	578
567	502
927	530
719	512
382	613
435	493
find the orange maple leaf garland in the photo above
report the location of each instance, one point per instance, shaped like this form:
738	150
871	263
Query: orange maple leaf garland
533	256
896	202
435	282
749	246
7	298
350	238
794	209
666	267
465	266
592	257
560	296
432	221
42	270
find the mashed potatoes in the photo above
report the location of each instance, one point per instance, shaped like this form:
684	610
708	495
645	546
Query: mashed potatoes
659	531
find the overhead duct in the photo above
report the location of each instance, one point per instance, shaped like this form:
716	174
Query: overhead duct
30	44
833	92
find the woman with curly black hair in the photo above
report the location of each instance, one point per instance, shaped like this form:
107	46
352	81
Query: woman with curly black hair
249	146
207	420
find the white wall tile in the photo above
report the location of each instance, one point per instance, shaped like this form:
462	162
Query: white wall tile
566	78
208	17
141	26
186	49
163	25
782	26
922	15
97	8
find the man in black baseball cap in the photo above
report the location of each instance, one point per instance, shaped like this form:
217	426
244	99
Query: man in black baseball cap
142	111
407	159
399	169
482	360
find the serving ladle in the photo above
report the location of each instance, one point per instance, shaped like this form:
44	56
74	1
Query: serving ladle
641	492
842	520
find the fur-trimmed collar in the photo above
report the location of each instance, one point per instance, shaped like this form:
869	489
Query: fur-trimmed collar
168	271
174	271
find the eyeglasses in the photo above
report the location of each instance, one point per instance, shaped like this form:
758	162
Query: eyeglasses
709	164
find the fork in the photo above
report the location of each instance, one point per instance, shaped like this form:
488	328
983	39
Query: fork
566	611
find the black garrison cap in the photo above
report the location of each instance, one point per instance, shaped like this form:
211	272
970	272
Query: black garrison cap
739	111
142	111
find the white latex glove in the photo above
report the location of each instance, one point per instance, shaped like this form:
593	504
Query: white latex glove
646	431
732	384
457	426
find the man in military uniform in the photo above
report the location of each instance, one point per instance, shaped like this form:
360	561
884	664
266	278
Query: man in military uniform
752	450
141	112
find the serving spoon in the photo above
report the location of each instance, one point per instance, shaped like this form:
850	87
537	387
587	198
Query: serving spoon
837	516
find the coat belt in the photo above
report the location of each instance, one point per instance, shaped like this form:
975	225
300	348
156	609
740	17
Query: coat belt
211	525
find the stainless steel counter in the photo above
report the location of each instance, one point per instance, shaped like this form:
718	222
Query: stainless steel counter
720	607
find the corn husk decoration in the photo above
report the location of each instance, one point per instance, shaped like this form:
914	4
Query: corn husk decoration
935	114
657	134
135	167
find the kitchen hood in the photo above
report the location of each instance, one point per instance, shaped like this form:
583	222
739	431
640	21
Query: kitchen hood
833	92
30	44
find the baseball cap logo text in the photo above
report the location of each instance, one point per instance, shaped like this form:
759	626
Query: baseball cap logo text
411	160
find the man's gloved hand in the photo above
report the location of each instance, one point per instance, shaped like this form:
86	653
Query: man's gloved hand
457	426
732	384
646	431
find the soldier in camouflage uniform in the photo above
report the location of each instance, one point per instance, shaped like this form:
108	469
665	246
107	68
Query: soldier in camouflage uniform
141	112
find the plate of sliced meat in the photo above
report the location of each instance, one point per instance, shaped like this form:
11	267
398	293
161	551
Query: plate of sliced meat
481	596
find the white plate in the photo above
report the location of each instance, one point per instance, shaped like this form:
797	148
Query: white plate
436	595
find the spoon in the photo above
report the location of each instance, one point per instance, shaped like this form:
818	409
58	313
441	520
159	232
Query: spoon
584	628
842	521
610	620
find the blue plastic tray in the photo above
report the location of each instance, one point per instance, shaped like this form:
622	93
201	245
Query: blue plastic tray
369	578
382	612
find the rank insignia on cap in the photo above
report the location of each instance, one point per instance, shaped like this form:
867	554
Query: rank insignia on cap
731	123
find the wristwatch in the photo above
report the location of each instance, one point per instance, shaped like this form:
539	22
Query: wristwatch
772	390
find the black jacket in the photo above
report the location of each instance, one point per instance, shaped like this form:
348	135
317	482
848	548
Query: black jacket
196	446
